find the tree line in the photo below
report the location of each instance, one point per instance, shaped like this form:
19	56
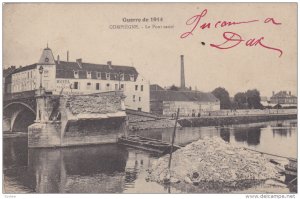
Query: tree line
241	100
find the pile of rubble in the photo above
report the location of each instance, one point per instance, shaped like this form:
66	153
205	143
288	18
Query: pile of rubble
94	104
212	160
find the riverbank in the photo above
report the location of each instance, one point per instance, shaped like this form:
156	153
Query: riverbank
152	124
229	120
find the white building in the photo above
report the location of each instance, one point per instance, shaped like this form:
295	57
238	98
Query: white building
65	77
166	102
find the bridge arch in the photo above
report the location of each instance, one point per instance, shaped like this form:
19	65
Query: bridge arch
19	103
19	115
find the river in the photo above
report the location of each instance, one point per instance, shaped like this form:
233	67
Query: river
112	168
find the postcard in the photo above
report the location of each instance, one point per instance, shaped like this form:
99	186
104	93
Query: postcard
149	98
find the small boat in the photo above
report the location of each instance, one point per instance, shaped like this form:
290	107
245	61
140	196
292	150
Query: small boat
291	170
147	144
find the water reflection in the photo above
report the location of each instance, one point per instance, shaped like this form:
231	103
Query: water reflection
282	132
250	135
55	170
276	137
53	167
116	169
225	134
15	152
91	169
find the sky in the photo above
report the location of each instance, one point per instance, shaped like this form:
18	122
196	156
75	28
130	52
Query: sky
85	31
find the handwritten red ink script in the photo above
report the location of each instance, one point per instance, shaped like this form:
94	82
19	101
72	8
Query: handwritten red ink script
231	39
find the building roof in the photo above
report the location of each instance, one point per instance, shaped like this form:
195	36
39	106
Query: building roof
155	87
8	71
47	57
167	95
283	94
66	69
24	68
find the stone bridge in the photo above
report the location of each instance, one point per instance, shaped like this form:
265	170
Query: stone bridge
64	120
20	111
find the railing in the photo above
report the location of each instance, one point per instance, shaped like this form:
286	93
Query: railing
20	95
142	113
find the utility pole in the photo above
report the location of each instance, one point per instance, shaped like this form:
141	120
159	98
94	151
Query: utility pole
173	138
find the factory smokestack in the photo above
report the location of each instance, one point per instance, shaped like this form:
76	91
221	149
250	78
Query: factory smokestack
67	56
182	79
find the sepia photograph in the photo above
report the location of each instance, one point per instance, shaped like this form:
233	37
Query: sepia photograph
144	98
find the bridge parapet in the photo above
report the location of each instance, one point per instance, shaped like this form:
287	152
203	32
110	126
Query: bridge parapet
20	95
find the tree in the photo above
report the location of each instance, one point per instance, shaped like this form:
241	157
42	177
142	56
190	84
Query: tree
253	99
174	88
223	95
240	100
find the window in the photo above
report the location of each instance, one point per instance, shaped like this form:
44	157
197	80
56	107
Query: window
131	77
142	87
99	75
89	74
46	73
88	85
140	99
116	87
139	109
107	87
107	76
97	86
76	74
133	98
122	87
45	85
136	87
122	77
28	74
76	85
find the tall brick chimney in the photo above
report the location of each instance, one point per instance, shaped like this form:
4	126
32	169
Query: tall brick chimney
79	62
182	79
109	64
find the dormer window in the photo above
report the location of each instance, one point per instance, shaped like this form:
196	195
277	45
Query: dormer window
107	75
122	77
76	74
89	74
132	78
98	75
